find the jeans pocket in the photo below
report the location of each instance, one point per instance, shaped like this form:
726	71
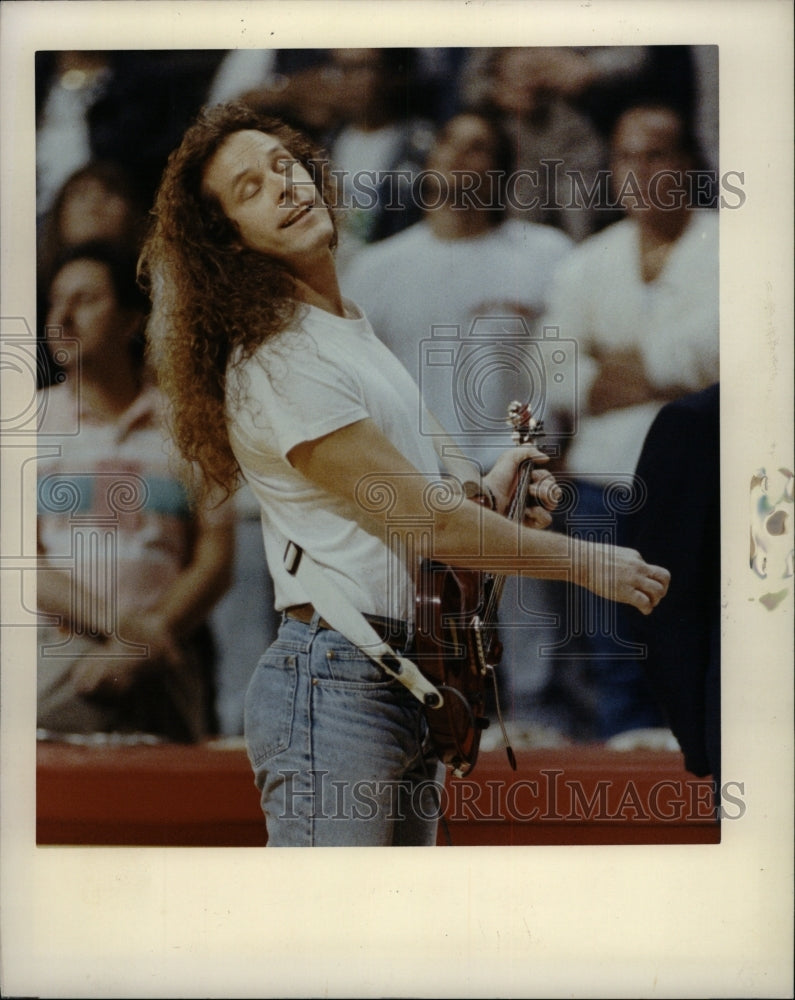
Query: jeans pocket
345	665
270	706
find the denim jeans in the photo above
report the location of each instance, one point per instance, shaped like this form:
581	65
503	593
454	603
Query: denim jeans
339	749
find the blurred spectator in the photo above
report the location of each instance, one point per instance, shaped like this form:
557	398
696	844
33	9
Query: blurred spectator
68	85
243	622
438	80
705	103
641	300
381	144
683	77
128	106
464	261
457	297
294	84
240	71
153	94
98	202
291	84
129	569
641	297
539	94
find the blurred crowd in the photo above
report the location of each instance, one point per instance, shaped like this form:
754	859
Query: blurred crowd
636	294
108	120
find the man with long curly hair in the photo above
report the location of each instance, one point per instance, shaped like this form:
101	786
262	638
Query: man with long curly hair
274	377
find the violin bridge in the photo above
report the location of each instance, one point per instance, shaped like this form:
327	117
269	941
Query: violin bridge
477	627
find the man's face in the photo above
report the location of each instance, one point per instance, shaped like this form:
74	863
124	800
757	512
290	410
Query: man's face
465	144
270	197
83	303
647	144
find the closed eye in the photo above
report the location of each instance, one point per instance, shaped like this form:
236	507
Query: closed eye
249	189
246	185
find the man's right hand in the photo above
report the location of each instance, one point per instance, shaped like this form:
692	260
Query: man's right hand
620	574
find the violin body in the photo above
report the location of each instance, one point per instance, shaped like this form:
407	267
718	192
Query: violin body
458	647
456	650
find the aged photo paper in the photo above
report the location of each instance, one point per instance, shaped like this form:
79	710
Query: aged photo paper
558	921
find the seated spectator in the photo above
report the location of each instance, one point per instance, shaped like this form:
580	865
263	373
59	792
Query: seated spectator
457	297
466	260
98	202
539	93
640	299
380	143
129	568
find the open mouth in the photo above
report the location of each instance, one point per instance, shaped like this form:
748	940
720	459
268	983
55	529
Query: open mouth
297	214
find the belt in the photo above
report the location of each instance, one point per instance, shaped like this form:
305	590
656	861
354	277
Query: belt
391	630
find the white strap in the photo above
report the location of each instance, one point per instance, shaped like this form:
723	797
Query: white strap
331	604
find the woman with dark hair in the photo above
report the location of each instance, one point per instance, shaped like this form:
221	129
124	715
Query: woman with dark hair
273	376
130	565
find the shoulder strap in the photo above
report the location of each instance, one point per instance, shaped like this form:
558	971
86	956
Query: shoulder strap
331	604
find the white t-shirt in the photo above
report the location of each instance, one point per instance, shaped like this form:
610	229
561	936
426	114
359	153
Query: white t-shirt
458	314
600	300
321	374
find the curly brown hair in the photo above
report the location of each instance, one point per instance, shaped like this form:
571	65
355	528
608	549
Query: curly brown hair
210	297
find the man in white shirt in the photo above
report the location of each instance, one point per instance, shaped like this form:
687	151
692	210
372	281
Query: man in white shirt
641	300
463	286
313	410
457	297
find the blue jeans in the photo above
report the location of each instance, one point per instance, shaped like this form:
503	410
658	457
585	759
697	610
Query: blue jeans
339	749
